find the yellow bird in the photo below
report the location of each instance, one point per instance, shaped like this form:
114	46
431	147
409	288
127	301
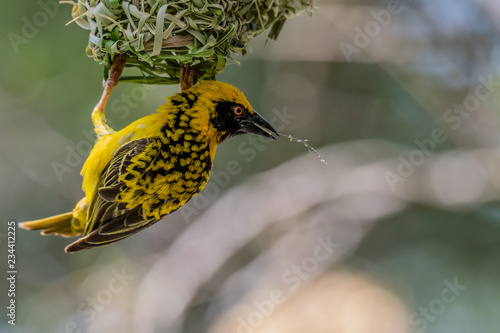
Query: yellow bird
134	177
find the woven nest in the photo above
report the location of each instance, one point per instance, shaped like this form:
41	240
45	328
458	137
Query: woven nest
158	37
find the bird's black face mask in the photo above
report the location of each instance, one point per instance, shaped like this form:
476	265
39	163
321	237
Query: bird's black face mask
234	119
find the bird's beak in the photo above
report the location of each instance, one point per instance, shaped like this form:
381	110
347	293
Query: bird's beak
259	126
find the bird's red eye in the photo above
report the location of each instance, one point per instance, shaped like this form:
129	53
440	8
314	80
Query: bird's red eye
238	110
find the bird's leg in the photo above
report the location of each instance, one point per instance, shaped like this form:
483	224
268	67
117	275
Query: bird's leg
114	76
98	116
187	77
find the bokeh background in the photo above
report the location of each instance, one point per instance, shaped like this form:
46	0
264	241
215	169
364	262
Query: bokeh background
399	232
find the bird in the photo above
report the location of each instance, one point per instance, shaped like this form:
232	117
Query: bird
136	176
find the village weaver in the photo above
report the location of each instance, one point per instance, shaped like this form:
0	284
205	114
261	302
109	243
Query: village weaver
134	177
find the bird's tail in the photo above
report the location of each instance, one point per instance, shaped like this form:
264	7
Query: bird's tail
57	225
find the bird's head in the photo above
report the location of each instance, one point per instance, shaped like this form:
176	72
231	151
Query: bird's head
228	110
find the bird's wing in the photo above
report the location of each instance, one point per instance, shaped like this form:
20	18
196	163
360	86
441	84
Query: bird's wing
145	180
108	219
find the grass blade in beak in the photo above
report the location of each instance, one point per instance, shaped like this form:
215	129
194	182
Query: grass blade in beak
268	131
308	146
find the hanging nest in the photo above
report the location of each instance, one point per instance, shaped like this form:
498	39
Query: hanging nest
159	37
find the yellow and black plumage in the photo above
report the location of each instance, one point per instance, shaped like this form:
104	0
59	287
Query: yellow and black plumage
134	177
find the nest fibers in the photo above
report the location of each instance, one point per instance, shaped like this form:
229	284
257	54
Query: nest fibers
159	36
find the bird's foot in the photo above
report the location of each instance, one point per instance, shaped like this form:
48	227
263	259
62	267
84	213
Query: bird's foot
187	76
115	72
98	116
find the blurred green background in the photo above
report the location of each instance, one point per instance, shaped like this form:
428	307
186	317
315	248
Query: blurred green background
394	95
